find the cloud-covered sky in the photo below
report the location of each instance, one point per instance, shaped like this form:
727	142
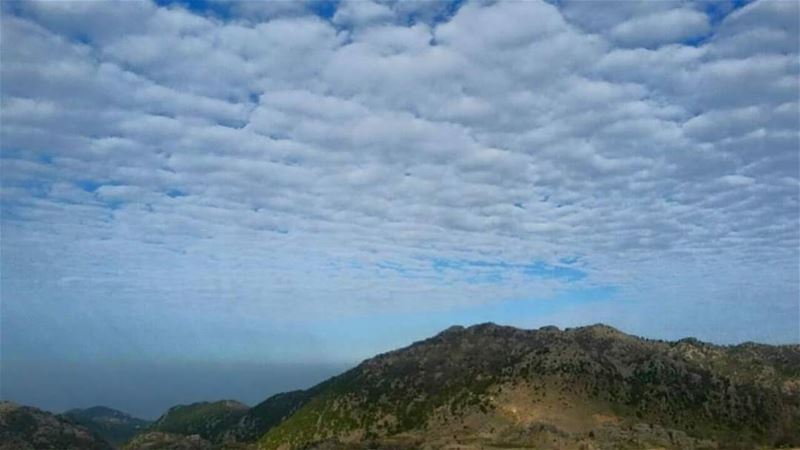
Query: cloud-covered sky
294	182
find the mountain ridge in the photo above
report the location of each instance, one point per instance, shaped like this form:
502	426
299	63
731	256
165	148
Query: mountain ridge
209	420
28	428
115	426
493	386
609	367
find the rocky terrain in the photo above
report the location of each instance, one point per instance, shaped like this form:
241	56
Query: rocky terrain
496	387
114	426
490	386
156	440
26	428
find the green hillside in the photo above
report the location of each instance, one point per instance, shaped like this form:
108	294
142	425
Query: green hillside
489	386
209	420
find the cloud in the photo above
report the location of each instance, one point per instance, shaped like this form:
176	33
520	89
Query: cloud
362	13
661	28
271	164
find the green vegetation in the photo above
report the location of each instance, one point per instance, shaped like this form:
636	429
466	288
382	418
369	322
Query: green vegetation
114	426
492	387
742	396
210	420
267	415
27	428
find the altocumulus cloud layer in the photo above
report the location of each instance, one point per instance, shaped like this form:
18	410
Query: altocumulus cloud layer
229	181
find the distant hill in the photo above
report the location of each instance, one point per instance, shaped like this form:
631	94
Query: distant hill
209	420
496	387
27	428
114	426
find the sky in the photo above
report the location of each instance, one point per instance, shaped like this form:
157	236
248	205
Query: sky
252	196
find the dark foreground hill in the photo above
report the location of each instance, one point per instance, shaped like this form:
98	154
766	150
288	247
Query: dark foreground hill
26	428
493	387
112	425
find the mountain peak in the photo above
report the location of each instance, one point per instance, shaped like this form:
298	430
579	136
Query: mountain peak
98	412
496	386
601	329
493	328
487	327
206	419
510	387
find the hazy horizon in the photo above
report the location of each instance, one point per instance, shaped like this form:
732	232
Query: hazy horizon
146	389
259	194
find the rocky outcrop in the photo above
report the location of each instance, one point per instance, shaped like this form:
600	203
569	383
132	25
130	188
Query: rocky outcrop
27	428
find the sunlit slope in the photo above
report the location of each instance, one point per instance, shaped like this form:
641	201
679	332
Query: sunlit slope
208	420
489	385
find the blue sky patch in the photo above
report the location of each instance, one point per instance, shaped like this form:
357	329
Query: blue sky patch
494	270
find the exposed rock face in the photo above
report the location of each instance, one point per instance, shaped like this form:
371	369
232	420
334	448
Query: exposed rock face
27	428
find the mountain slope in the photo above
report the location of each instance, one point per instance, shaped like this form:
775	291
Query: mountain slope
493	386
112	425
27	428
157	440
265	416
209	420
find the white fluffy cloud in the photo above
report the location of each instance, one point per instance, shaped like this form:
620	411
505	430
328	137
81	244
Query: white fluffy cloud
279	164
676	25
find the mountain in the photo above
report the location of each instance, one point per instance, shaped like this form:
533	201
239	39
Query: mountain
491	386
28	428
209	420
265	416
156	440
114	426
496	387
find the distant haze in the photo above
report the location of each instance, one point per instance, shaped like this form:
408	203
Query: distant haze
148	390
